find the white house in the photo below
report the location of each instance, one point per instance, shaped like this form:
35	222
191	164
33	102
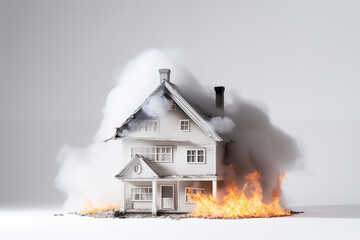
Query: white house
167	155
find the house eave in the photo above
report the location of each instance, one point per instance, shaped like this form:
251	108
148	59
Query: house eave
206	177
136	138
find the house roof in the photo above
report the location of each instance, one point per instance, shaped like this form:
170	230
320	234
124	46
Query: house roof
196	115
131	163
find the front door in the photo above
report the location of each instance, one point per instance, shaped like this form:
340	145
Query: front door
167	196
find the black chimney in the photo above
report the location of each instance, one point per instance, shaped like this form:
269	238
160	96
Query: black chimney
219	99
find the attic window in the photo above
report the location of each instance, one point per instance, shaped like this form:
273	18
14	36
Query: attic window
148	126
137	169
172	105
184	125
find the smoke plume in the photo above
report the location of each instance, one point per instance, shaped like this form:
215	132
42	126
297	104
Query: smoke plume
222	124
157	105
86	175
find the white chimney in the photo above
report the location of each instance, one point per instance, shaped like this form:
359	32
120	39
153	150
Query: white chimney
164	74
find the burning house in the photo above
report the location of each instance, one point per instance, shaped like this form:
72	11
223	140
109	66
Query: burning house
178	158
169	152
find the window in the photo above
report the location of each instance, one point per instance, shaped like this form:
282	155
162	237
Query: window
172	105
184	125
141	194
196	156
148	126
193	191
137	169
157	153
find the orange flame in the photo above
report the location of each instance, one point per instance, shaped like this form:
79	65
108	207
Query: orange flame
237	205
92	209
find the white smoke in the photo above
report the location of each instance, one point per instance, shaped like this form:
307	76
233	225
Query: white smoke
86	175
222	124
157	106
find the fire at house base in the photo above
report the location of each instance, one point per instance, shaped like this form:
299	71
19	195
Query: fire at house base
244	202
237	204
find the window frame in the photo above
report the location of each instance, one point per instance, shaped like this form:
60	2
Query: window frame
196	156
141	200
155	153
140	168
192	188
188	125
141	128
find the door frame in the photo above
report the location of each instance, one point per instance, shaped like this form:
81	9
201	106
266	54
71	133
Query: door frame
173	193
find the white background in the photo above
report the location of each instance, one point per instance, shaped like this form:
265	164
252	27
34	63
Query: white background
300	59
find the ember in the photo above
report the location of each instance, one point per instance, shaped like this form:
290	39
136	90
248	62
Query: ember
236	204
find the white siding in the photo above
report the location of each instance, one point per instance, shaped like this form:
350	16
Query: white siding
180	141
170	135
163	168
220	151
209	167
169	128
180	203
179	164
140	205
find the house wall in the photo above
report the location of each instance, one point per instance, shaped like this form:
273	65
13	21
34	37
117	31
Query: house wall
209	167
164	168
180	203
139	205
179	164
147	205
170	135
169	128
220	155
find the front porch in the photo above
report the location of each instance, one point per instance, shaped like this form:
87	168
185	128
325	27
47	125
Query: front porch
162	195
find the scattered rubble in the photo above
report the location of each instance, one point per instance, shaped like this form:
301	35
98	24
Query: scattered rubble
172	216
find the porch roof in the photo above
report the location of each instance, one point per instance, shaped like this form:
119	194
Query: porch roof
141	159
176	177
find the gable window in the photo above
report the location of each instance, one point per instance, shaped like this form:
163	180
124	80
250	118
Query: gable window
148	126
193	191
195	156
184	125
156	153
137	169
172	105
141	193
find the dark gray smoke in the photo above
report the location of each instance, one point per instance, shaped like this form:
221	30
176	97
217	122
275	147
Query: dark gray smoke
86	175
256	144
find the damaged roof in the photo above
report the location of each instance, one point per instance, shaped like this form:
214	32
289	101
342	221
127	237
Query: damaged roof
195	114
